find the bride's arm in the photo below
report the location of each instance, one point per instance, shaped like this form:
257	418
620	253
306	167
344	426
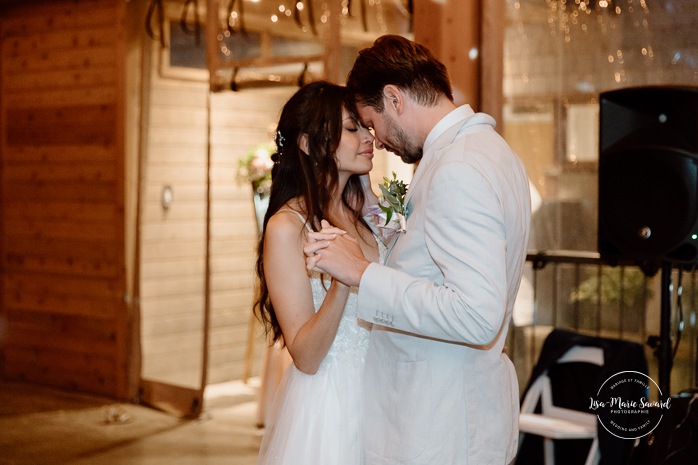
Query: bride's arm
308	335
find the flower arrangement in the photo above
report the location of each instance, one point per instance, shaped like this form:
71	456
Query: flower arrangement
391	210
256	167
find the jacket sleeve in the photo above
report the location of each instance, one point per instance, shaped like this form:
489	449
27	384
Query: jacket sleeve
466	299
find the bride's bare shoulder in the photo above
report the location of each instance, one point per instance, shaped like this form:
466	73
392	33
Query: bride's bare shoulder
289	219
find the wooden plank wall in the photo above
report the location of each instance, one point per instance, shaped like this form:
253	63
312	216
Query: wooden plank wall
240	121
173	240
63	319
173	243
66	318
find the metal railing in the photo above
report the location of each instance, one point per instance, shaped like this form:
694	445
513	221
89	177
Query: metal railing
580	291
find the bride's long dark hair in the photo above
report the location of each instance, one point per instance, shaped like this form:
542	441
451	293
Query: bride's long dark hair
315	112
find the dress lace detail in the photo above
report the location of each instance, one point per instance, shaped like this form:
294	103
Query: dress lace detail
352	334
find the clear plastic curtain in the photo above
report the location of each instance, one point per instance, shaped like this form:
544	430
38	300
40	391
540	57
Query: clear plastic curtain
559	56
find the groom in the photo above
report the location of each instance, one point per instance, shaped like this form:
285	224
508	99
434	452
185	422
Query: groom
439	389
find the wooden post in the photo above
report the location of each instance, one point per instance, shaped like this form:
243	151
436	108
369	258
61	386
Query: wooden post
333	46
451	30
468	37
492	61
212	7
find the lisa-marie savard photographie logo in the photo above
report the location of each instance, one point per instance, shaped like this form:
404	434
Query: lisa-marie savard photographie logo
623	406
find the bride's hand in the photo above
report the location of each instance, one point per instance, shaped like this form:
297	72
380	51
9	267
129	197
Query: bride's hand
327	233
318	240
341	258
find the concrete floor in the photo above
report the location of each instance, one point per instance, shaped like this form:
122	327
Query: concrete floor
40	426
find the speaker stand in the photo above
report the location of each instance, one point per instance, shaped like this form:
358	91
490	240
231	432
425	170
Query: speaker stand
663	350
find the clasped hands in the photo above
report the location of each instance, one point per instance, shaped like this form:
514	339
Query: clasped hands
331	250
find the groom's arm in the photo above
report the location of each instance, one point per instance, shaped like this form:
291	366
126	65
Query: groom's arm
466	241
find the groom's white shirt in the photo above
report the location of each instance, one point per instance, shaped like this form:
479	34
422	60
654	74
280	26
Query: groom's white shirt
439	390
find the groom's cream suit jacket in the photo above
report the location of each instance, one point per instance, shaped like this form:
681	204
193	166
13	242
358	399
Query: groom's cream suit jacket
439	390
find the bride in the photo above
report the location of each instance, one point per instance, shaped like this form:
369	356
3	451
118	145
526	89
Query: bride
320	173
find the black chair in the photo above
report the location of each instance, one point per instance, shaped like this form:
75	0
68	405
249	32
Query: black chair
555	423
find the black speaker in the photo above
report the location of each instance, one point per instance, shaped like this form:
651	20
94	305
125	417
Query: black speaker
648	174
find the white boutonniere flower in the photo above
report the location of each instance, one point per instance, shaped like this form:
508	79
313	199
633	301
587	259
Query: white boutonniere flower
391	212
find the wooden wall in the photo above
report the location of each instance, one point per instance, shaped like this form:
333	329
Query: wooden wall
240	121
69	184
173	242
99	284
64	319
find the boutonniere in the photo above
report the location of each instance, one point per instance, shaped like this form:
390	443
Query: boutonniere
391	212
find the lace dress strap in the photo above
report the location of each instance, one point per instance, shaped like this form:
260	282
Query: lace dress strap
307	225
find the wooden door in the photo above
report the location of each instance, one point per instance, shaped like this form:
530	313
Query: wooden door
174	241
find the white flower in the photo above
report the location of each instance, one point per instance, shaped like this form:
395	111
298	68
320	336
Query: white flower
387	227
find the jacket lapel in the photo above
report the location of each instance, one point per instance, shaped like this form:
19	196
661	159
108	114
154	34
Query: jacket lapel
429	160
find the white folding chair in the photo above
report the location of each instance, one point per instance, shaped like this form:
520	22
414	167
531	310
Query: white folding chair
555	422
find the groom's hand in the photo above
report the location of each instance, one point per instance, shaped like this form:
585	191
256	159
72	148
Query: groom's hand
334	252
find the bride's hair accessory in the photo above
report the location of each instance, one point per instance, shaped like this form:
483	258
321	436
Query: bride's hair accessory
279	147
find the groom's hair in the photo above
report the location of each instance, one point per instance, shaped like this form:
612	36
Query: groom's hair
393	59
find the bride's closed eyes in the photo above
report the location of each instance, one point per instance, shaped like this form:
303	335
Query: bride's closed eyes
350	124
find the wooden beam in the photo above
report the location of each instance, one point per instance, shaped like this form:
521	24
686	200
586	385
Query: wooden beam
451	30
333	46
492	60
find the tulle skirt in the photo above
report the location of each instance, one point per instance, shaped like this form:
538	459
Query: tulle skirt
316	419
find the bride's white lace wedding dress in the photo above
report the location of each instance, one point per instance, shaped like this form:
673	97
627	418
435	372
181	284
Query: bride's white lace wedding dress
316	419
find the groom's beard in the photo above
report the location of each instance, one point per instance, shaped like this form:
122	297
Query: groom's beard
400	143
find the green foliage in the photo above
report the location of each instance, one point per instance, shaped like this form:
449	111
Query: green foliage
393	197
627	284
